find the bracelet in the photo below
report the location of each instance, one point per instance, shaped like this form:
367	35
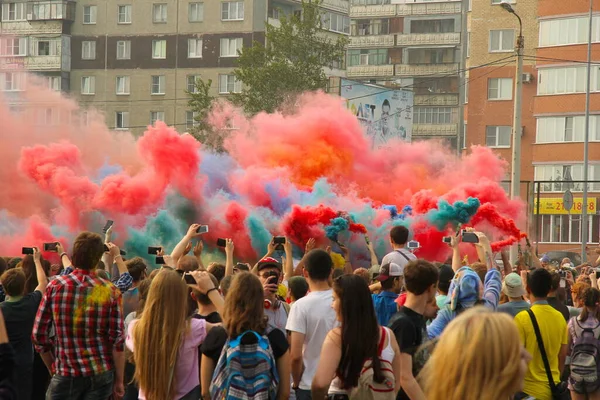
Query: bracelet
63	254
210	290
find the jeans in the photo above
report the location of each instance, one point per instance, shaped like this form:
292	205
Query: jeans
302	394
97	387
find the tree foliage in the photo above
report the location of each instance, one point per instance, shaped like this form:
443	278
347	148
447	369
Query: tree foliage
290	63
201	103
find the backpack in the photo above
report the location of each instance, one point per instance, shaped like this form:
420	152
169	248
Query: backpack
585	359
245	371
367	388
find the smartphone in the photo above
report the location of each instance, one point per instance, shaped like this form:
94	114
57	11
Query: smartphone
242	267
221	242
160	260
469	237
447	239
121	251
413	244
279	240
51	247
189	279
109	223
27	251
154	250
202	229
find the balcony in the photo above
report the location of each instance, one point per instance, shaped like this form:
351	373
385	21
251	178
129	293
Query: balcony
450	7
334	5
51	10
385	10
24	28
366	42
426	69
43	63
434	130
433	99
364	71
420	39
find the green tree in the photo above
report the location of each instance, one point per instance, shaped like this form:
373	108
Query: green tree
201	103
292	61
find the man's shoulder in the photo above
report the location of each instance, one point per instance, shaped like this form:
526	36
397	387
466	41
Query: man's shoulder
401	319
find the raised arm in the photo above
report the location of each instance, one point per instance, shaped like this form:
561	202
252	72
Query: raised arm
64	258
229	248
288	267
179	250
198	249
310	245
39	271
206	286
270	251
374	260
347	264
456	260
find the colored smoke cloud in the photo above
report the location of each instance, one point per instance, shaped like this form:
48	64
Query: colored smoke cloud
310	173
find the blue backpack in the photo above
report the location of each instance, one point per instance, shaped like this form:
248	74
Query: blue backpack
245	371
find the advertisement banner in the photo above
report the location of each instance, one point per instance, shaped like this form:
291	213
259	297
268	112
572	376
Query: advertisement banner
384	113
555	206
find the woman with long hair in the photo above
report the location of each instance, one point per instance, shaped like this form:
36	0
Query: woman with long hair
164	341
244	311
478	357
588	319
358	339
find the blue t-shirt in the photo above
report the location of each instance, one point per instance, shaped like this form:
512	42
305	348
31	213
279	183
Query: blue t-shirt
385	306
513	307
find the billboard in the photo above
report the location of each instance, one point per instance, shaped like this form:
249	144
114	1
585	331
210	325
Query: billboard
384	113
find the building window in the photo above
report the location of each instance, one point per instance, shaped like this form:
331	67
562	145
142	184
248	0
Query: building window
124	15
14	12
12	81
156	116
196	12
432	115
366	27
368	57
502	40
464	136
54	83
500	89
159	13
121	120
122	87
89	15
88	85
191	83
195	48
232	11
190	119
335	22
565	228
88	50
159	49
158	84
231	46
566	31
498	136
563	80
43	48
566	129
467	90
47	116
123	50
13	46
228	84
562	177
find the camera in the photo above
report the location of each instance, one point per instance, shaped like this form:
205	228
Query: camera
562	273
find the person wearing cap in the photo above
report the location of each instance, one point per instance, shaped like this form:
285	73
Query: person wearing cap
409	326
446	276
514	289
390	277
269	272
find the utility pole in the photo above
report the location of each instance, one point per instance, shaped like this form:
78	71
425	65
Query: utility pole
515	176
586	161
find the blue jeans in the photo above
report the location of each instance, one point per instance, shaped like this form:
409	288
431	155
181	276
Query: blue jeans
97	387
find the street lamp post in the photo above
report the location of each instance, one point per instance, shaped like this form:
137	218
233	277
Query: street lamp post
515	178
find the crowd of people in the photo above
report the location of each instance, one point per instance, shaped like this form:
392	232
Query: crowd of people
97	326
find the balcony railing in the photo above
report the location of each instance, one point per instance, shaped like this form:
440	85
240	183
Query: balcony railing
371	41
451	7
334	5
419	39
434	130
426	69
25	28
385	10
51	10
433	99
357	71
42	63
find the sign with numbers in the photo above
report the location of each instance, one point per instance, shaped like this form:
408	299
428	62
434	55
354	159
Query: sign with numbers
555	205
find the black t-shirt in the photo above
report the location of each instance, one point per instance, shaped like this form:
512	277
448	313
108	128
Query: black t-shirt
560	307
213	317
19	317
216	338
410	330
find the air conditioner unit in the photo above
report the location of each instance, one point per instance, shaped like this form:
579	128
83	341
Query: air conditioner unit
526	77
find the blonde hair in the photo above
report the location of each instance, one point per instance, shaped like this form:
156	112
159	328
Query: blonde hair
158	334
477	357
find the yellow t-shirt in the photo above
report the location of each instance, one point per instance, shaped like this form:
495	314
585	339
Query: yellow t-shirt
554	334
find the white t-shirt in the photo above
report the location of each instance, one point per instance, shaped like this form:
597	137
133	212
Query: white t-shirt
398	258
312	316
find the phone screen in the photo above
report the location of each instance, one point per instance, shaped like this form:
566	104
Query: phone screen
109	223
50	246
221	242
153	249
202	229
27	250
189	279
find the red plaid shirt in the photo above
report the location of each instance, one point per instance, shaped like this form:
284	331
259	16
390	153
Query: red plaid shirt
85	312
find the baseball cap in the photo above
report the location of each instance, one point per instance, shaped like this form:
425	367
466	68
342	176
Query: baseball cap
390	270
446	274
269	262
545	259
513	285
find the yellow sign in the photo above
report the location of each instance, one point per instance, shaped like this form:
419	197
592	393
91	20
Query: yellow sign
554	205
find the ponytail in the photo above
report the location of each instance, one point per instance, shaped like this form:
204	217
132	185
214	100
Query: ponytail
591	297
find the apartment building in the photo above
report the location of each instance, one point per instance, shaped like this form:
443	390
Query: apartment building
411	45
553	108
